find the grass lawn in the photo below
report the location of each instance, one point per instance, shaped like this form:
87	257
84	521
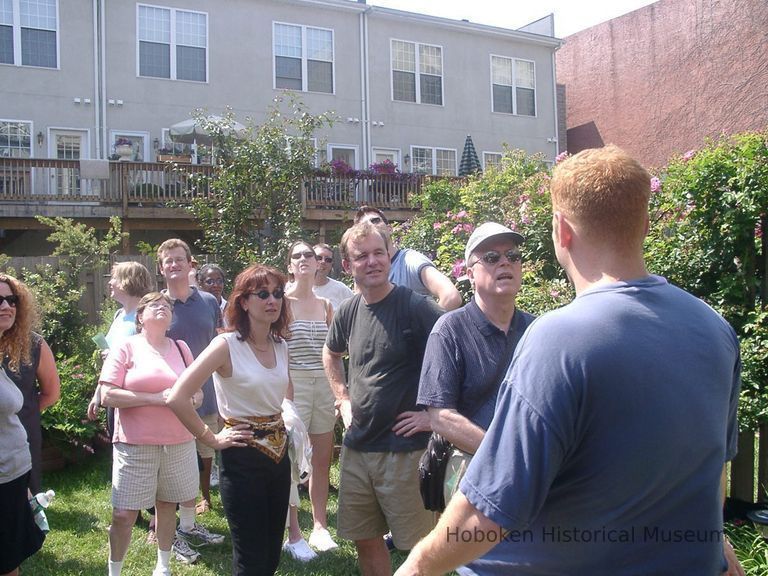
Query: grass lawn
77	544
79	516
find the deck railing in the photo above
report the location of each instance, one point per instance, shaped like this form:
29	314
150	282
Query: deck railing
158	183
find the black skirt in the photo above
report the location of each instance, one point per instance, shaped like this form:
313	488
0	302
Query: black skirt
20	537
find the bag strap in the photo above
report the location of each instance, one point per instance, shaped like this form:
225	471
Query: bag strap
181	353
501	369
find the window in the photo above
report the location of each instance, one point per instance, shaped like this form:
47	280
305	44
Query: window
303	58
173	43
435	161
15	139
491	159
175	148
29	33
513	85
417	79
137	141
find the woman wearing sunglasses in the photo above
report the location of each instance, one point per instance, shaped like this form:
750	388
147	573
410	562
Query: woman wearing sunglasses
27	358
154	457
310	318
28	362
249	364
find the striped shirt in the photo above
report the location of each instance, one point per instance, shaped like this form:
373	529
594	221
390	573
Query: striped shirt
306	344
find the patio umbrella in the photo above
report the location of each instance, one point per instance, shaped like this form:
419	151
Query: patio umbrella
470	163
192	132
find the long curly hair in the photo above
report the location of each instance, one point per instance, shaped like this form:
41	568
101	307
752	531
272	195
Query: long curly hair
250	280
16	342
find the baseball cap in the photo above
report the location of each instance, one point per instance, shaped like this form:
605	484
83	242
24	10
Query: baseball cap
487	231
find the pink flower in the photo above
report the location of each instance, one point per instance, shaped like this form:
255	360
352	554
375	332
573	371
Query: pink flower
462	214
688	155
560	157
469	228
655	184
554	293
437	225
457	229
458	268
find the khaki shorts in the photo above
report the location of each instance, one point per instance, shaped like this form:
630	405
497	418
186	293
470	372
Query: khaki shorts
314	400
143	473
379	491
454	472
213	422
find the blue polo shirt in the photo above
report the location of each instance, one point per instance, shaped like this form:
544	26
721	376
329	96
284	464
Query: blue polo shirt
462	360
195	321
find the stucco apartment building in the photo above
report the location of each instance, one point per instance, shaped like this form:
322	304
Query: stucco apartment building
77	75
660	80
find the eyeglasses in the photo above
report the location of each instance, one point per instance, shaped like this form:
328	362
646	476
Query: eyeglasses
12	300
214	282
158	306
277	293
376	220
493	256
326	259
308	255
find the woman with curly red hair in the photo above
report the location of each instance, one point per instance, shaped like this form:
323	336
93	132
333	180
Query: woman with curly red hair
249	364
29	363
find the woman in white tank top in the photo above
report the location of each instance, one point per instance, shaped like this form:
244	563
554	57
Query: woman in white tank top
310	318
249	364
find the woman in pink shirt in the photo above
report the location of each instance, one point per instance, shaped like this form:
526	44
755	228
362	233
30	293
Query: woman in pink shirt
154	460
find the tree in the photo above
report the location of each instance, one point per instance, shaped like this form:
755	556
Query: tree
253	211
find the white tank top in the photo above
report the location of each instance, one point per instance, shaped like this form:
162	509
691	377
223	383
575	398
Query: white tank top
252	390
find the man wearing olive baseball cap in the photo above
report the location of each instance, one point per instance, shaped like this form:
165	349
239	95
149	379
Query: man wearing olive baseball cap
470	348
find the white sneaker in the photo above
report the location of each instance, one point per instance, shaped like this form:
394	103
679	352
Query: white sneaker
300	550
321	540
464	571
214	476
160	571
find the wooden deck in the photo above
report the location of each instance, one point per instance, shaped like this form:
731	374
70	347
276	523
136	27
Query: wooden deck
148	190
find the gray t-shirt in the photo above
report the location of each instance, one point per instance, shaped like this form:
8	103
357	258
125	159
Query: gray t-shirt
195	321
610	435
15	459
406	270
384	363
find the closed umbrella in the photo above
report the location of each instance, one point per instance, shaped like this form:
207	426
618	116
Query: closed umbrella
470	163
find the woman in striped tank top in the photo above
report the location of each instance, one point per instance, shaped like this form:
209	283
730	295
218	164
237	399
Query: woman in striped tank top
310	318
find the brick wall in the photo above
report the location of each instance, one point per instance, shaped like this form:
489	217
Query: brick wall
661	79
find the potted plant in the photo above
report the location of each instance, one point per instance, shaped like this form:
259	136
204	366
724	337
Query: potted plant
124	148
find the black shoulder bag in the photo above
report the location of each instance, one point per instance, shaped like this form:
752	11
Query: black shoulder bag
433	463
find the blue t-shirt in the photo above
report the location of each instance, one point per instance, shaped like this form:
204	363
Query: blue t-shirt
609	439
195	321
406	270
461	362
123	325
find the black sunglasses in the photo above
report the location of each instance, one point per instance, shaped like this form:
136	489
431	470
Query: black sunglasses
12	300
493	256
376	220
308	255
325	259
264	294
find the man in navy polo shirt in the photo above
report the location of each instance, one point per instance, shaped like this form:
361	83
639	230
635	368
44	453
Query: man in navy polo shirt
462	369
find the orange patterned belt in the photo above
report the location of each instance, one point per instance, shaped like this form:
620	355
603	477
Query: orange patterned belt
269	435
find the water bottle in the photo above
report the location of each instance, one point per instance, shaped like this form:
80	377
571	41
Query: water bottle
39	502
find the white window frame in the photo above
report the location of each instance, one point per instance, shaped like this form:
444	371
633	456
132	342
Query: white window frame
304	57
434	150
355	147
417	72
16	31
396	151
486	154
32	136
115	134
173	45
514	86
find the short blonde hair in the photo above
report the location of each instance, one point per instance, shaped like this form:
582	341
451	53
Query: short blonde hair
605	192
133	278
358	232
